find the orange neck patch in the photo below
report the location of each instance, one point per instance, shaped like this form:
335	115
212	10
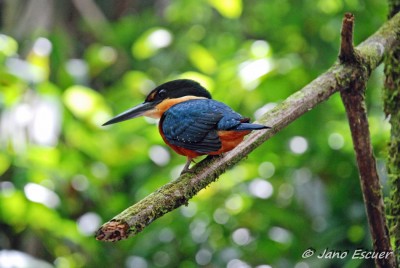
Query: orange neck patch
160	109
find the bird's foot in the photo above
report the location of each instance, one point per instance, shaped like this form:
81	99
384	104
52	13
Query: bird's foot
187	171
186	167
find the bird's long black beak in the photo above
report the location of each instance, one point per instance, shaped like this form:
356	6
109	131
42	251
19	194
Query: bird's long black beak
134	112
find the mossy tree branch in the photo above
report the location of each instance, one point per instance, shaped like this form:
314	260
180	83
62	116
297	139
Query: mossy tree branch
174	194
392	109
353	98
391	99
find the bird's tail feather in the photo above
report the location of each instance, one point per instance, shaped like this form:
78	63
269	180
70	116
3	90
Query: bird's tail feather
250	126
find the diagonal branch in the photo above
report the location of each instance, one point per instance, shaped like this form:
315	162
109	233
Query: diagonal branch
353	98
172	195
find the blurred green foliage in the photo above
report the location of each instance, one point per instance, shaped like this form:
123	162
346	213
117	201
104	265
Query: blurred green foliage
67	67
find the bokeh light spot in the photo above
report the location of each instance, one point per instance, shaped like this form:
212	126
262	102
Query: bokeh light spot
280	235
298	145
17	259
203	257
330	6
261	188
166	235
241	236
78	69
8	45
150	42
42	47
190	210
161	258
88	223
80	100
40	194
198	230
221	216
23	114
236	263
108	54
99	170
228	8
356	233
251	71
234	203
47	123
260	48
159	155
86	103
336	141
160	38
7	188
286	191
136	262
80	183
302	264
266	169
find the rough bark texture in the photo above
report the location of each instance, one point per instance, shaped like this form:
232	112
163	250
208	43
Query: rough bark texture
392	109
353	98
391	99
170	196
347	54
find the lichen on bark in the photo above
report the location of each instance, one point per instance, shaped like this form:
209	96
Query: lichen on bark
391	99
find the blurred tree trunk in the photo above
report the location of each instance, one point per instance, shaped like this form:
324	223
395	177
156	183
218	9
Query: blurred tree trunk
391	97
37	17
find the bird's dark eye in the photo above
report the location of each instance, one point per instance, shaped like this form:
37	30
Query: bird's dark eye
162	93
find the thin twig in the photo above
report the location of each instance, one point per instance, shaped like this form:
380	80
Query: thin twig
170	196
353	100
347	53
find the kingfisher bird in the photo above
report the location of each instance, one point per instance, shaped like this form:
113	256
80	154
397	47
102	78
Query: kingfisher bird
191	122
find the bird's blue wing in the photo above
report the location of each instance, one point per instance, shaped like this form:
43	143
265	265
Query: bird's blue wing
192	125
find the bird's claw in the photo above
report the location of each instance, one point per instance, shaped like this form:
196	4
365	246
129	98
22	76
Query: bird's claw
187	171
